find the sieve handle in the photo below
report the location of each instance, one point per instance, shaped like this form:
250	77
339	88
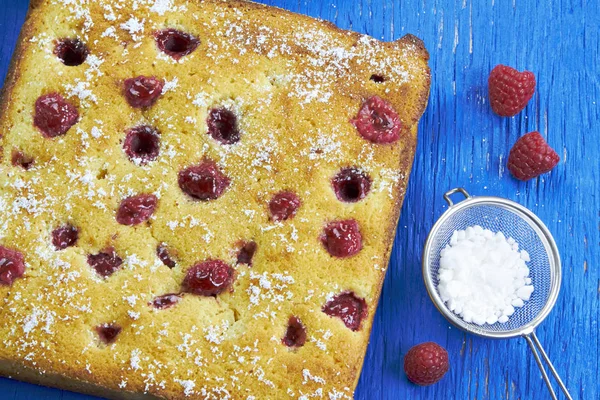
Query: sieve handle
535	345
453	191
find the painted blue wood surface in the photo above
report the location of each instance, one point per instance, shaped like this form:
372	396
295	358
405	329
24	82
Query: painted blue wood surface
462	143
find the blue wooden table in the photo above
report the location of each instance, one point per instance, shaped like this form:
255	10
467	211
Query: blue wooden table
462	143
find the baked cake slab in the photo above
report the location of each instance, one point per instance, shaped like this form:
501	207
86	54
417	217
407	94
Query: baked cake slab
198	199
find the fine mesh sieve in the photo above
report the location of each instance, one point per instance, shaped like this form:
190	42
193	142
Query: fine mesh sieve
516	221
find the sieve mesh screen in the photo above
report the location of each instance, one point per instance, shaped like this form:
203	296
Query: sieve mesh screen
512	223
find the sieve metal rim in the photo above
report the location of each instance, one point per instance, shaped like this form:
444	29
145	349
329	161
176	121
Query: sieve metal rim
537	225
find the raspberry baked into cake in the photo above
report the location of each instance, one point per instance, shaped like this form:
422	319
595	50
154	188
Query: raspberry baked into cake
198	199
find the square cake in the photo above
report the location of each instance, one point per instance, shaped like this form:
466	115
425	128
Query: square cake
198	199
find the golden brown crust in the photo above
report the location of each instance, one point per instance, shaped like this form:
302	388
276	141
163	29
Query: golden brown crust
13	71
15	370
295	62
418	43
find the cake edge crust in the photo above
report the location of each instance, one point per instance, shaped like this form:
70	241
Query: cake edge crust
16	370
12	74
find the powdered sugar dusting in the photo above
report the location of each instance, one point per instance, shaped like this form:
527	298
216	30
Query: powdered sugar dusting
135	27
188	386
161	6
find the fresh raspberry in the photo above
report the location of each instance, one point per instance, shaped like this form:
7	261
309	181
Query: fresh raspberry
426	363
342	238
510	90
295	335
347	307
54	115
283	206
12	265
143	91
208	278
531	156
72	52
136	209
165	301
377	121
175	43
222	126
